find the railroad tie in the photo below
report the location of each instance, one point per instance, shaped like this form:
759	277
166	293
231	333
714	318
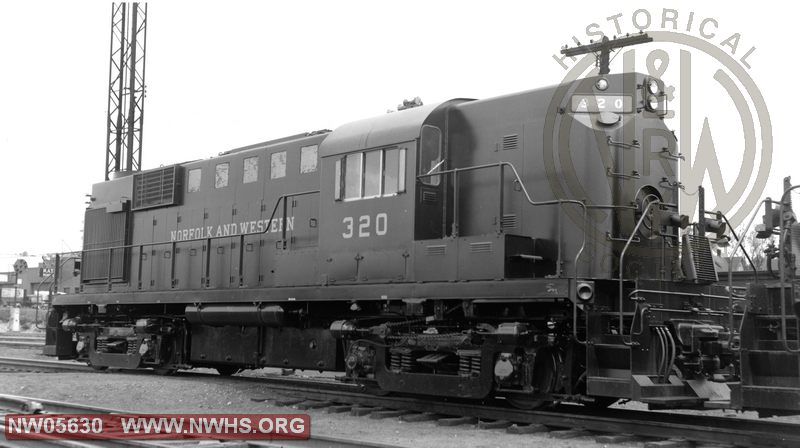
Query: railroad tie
360	411
288	401
457	421
569	434
420	417
670	443
379	415
338	409
617	438
312	404
496	424
526	429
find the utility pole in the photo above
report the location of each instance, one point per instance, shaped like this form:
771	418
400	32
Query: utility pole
126	88
602	49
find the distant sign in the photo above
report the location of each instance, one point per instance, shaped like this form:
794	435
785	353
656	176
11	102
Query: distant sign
8	293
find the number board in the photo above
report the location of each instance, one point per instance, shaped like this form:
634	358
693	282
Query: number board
602	103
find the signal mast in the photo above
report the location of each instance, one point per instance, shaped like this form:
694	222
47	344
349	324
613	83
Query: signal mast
126	88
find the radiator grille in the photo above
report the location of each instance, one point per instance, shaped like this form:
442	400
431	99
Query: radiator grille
697	252
104	230
156	188
510	142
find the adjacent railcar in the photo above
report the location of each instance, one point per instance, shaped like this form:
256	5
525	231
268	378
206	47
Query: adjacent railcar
526	246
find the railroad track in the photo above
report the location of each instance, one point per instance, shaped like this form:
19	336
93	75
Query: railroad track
564	421
22	340
15	404
38	365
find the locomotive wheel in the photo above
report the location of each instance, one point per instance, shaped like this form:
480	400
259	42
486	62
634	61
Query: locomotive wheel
374	389
545	379
227	370
525	403
99	368
164	371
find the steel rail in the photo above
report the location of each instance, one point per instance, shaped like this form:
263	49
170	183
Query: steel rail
700	428
24	364
27	405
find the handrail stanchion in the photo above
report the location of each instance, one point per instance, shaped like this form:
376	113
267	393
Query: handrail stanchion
455	205
499	224
781	258
730	273
622	273
241	260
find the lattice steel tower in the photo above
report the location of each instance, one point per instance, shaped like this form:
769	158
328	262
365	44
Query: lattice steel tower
126	88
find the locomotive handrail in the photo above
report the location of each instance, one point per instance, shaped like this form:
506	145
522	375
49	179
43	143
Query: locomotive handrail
283	198
783	275
518	181
733	232
159	243
730	276
622	272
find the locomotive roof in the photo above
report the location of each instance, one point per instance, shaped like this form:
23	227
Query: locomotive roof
387	129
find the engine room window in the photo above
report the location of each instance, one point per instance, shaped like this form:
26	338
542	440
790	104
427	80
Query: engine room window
308	159
221	175
430	154
372	174
394	169
352	176
277	168
193	183
250	170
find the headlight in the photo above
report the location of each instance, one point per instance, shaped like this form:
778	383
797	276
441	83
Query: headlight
652	86
652	102
585	291
601	84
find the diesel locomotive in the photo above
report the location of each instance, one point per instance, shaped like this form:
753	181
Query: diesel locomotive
526	247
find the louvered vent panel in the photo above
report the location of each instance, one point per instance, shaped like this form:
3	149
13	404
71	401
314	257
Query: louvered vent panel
510	142
156	188
436	250
430	197
509	222
482	247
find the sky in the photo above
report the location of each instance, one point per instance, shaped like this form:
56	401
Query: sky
221	75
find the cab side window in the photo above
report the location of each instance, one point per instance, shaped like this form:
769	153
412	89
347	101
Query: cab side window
430	155
370	174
